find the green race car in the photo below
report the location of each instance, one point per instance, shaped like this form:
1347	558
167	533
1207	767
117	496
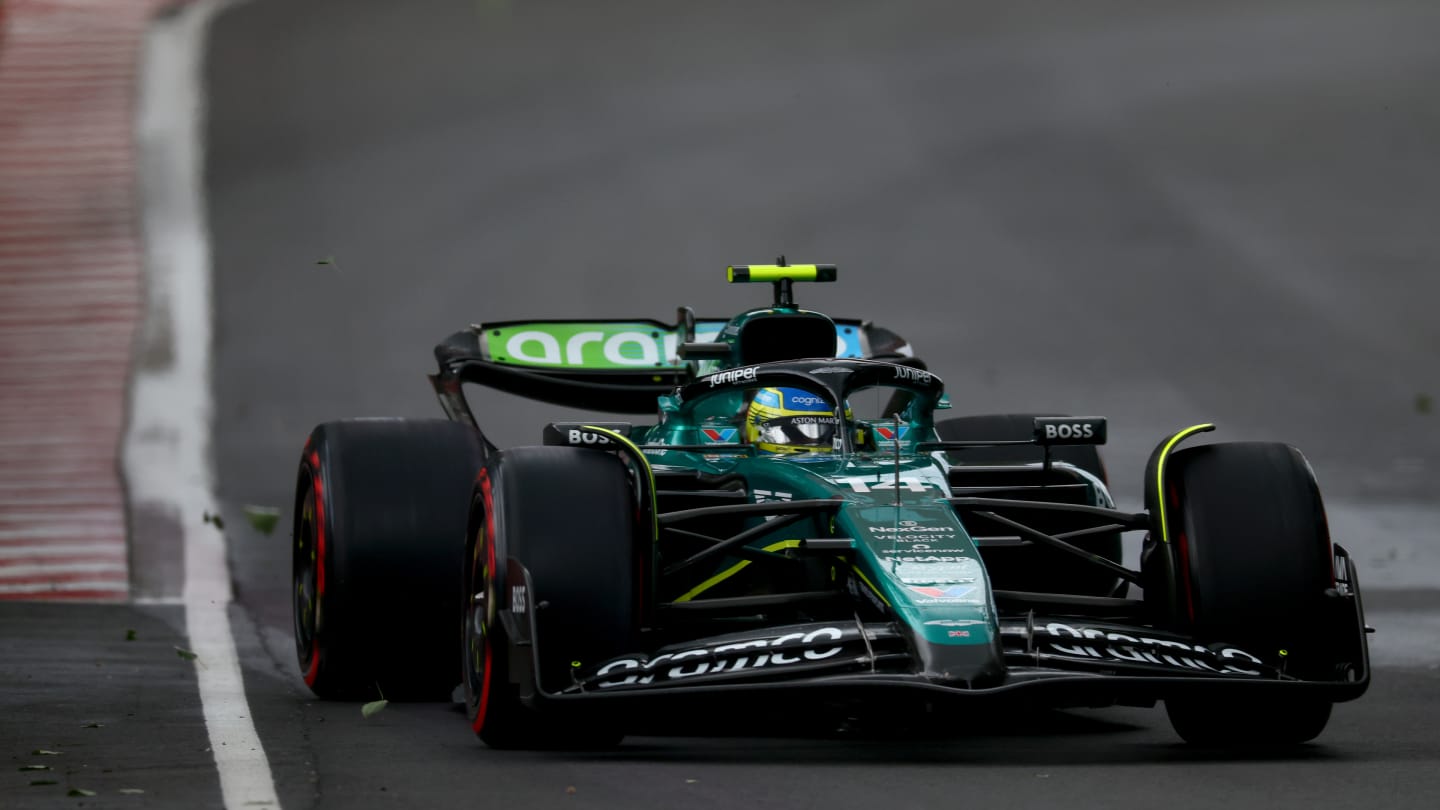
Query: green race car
795	531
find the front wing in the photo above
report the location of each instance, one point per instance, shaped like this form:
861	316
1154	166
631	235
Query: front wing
1057	661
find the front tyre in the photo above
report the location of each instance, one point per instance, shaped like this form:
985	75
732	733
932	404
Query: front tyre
568	516
1246	560
1277	720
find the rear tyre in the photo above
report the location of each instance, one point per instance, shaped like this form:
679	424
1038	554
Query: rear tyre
1034	568
1249	564
568	516
379	540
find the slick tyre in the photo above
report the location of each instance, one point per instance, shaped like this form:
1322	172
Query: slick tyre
1248	723
379	540
1250	563
1034	568
568	516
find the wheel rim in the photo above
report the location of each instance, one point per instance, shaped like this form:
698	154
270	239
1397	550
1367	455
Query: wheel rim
307	564
479	617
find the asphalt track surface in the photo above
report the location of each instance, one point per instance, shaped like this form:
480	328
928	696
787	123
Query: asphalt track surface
1161	212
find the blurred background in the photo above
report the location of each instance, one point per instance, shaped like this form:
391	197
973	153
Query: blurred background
1160	212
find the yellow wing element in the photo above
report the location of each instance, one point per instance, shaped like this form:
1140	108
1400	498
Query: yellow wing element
778	272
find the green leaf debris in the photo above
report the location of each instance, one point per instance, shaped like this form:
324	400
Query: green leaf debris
262	518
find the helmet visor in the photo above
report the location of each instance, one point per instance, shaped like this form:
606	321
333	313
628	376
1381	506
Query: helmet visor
798	431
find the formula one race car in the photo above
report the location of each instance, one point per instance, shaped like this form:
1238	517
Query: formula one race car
796	529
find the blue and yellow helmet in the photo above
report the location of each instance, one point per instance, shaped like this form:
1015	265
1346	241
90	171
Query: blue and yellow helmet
791	420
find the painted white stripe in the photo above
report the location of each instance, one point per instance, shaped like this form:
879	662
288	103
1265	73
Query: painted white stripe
60	443
40	571
28	159
113	505
23	150
33	416
67	368
103	466
68	285
46	307
97	485
60	550
165	461
119	588
26	216
65	378
49	532
37	250
115	169
116	72
63	134
20	267
83	33
56	518
34	455
71	549
46	411
36	416
39	368
23	162
91	334
76	58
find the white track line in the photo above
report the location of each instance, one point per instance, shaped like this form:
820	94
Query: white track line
167	463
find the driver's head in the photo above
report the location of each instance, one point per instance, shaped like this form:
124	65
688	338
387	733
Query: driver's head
790	420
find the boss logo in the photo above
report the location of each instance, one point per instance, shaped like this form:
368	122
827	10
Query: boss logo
1070	430
584	434
577	436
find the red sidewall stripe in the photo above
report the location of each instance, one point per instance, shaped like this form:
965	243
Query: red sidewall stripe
312	671
485	494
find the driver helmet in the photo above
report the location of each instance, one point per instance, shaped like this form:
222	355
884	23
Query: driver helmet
790	420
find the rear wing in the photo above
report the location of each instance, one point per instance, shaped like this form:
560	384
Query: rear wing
617	366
